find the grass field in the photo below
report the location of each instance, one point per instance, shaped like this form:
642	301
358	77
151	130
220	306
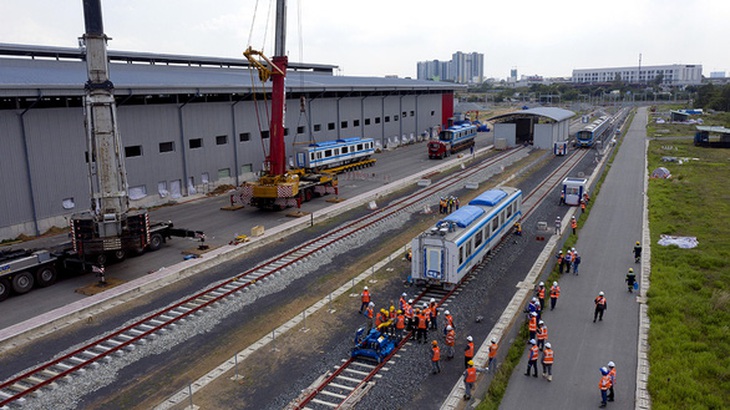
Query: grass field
689	297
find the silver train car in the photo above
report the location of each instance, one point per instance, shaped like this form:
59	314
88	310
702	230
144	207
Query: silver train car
456	244
328	154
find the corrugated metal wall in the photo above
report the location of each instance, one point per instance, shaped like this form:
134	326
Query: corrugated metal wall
57	147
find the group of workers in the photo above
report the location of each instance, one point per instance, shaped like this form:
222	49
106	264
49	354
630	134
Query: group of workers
448	204
559	224
568	260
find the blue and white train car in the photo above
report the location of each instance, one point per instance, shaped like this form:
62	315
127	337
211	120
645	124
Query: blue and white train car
456	244
328	154
586	137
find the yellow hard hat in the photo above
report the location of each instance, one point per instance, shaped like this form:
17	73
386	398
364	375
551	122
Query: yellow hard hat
382	310
631	270
470	362
637	242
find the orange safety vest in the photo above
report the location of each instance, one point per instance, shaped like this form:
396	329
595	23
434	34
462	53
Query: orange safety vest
421	321
450	338
582	206
436	354
471	375
547	356
543	334
533	353
541	292
449	320
533	324
402	303
433	310
365	296
560	258
400	322
555	292
493	350
469	352
408	311
573	223
369	312
600	300
379	319
612	375
605	383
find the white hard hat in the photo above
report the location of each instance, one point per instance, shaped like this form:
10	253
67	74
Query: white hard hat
542	284
558	218
555	283
371	304
533	342
548	345
494	340
541	322
366	288
410	301
469	338
403	294
449	327
533	313
425	305
611	364
573	249
447	313
433	300
600	293
534	299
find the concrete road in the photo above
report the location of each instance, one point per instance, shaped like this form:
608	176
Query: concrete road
581	346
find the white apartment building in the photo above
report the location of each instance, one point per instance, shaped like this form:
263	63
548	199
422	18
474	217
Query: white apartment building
674	74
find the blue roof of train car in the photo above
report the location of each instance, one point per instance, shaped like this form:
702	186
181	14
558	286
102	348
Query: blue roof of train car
465	215
489	198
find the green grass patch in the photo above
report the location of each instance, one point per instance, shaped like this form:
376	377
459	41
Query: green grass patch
498	386
689	297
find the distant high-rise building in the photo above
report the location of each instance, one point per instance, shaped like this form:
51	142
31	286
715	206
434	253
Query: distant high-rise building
513	75
717	74
463	68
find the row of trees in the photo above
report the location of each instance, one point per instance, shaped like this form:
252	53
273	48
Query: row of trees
713	97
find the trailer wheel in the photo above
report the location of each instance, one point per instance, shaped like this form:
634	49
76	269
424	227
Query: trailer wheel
155	241
45	276
307	195
23	282
101	259
4	289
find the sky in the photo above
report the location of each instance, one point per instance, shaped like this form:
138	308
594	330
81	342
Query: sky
381	37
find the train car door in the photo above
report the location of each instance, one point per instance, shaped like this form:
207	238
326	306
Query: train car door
434	263
301	159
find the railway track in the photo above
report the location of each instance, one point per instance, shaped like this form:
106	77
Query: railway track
344	386
13	392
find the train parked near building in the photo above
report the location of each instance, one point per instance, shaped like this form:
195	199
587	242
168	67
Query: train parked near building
456	244
330	154
586	137
456	137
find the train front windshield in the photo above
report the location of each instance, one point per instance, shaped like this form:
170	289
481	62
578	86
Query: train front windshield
446	135
583	135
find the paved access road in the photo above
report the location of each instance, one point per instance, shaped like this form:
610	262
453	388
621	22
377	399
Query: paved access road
581	346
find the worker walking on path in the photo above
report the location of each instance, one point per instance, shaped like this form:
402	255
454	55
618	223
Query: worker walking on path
631	279
493	347
637	252
576	261
601	306
532	355
604	385
558	224
532	326
364	298
547	362
470	377
435	358
612	376
559	256
573	224
541	293
554	295
469	350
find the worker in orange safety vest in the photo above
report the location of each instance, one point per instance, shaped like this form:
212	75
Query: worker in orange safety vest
435	357
369	314
542	334
364	298
573	224
532	355
604	385
450	340
548	357
612	376
470	377
541	293
421	326
554	295
532	325
492	363
601	306
400	324
469	350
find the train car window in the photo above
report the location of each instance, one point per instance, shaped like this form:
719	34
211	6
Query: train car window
387	118
327	153
367	121
377	120
343	124
509	211
495	224
317	127
468	248
319	154
395	118
345	149
337	151
359	147
461	255
478	239
311	156
300	130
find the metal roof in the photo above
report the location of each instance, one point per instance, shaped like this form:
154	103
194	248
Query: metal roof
717	129
554	113
28	77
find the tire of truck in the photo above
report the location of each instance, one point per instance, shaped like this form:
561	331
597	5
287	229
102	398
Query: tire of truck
46	276
4	289
102	259
120	255
23	282
156	241
307	195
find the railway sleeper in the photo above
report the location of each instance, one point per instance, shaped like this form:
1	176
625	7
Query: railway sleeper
349	379
325	403
333	394
342	386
